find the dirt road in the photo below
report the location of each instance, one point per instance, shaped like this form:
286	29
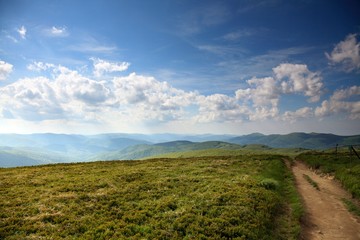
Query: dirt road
326	217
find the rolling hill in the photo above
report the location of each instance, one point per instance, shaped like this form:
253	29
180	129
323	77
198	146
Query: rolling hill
143	151
35	149
297	140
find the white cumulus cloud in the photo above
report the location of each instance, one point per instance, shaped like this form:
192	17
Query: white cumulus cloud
297	78
220	108
346	53
72	86
342	101
31	99
263	92
69	94
133	98
304	112
5	69
102	66
149	98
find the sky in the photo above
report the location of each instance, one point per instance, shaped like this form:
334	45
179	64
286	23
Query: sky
180	66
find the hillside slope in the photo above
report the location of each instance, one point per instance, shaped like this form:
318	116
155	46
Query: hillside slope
238	197
143	151
34	149
297	140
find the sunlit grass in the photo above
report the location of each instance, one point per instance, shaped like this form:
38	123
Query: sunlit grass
234	197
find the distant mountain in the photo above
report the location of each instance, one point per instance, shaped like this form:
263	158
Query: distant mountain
143	151
34	149
69	142
297	140
13	157
14	160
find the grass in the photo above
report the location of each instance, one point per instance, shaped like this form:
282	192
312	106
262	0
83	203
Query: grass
247	150
221	197
351	206
311	181
344	167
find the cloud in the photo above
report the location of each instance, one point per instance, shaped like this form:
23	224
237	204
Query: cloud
31	99
264	95
264	92
346	53
71	86
102	66
56	32
67	95
70	95
22	32
304	112
220	108
342	101
263	113
5	70
39	66
296	78
148	98
259	65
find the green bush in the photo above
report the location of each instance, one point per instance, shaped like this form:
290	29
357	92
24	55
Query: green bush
269	183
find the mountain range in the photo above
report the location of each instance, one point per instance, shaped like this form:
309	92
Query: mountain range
35	149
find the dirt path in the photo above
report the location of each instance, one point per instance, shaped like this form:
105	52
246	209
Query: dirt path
326	217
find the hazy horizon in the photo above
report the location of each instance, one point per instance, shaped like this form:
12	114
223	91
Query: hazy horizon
169	133
182	67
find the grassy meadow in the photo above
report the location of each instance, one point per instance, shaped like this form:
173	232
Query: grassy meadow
212	197
248	150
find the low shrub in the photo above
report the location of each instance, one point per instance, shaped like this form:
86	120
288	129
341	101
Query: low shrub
269	183
224	197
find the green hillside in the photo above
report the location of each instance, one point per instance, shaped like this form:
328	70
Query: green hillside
13	157
234	197
13	160
243	150
146	151
35	149
297	140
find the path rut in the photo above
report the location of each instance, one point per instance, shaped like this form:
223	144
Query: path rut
326	216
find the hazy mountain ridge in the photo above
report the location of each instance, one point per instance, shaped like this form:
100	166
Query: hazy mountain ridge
142	151
297	140
34	149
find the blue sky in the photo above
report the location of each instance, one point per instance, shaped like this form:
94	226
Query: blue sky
224	67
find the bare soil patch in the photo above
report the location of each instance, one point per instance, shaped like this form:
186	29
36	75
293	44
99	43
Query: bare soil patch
326	216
